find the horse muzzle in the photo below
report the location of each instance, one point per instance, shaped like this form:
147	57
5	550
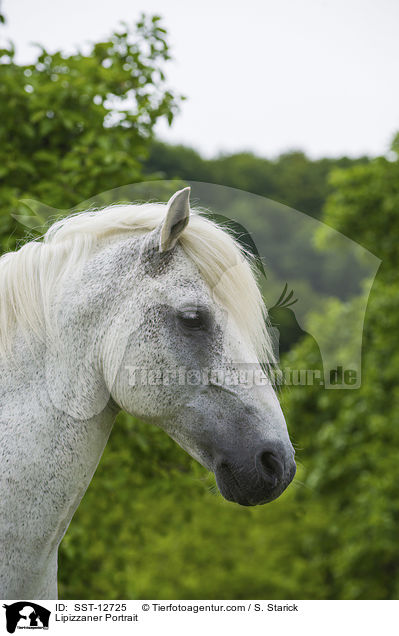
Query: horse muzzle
256	480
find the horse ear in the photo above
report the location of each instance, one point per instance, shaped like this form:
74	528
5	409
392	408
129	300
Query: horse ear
177	215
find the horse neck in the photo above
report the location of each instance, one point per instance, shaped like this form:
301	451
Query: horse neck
48	460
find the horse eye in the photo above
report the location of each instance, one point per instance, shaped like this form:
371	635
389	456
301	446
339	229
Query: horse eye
191	319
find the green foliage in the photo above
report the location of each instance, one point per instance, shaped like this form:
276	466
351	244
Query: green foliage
364	207
73	126
291	178
350	437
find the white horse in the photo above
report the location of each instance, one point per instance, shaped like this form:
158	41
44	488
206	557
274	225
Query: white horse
106	295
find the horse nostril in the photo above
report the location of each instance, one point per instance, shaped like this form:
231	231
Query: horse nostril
272	467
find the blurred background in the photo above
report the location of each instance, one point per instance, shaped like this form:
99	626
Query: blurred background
291	101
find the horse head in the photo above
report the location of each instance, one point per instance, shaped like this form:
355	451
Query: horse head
195	337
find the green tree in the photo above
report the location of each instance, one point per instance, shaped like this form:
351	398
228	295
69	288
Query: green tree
75	125
351	437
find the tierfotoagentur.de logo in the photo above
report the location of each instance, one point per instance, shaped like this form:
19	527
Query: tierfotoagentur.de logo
26	615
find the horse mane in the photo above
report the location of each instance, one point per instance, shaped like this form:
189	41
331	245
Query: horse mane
30	275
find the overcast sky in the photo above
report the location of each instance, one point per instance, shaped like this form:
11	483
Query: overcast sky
261	75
